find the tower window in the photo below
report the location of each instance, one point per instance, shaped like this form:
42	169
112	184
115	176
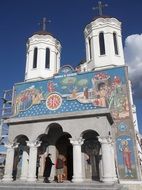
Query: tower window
102	43
90	48
35	58
47	58
115	43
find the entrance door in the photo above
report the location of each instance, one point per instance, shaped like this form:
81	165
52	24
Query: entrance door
91	150
64	148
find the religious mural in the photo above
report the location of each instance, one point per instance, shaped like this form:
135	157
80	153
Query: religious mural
122	127
125	157
70	91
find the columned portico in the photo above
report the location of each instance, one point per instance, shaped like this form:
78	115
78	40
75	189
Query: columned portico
9	161
108	161
32	159
77	160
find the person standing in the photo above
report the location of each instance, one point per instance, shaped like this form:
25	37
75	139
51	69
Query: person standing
60	169
47	169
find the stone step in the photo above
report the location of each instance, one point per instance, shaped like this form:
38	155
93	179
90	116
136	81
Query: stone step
58	186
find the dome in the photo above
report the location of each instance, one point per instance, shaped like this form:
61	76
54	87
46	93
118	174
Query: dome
102	16
42	32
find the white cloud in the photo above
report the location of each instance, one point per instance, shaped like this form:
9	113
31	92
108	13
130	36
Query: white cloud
133	58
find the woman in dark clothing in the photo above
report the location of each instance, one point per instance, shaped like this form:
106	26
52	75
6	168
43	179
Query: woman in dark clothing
47	170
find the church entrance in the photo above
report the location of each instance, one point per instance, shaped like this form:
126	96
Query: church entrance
19	153
92	157
64	148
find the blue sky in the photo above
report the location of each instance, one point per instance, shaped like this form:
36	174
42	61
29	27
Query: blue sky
19	20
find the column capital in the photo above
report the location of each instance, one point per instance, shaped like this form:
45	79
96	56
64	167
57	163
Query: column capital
33	144
105	140
76	141
11	145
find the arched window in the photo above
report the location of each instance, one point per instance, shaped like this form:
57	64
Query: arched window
90	48
102	43
35	58
115	43
47	58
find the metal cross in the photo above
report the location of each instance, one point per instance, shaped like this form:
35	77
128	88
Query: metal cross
43	23
100	7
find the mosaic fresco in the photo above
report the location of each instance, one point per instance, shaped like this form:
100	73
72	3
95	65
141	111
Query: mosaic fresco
125	157
70	91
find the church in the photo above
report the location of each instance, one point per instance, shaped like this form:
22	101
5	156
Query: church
84	114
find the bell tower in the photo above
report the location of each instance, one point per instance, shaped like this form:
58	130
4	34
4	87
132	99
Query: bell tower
43	55
103	42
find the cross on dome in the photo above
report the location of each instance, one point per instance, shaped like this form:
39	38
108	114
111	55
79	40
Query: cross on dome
100	7
43	23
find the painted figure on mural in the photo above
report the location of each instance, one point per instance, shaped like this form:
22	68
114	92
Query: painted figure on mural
27	98
101	83
50	87
102	94
37	97
118	101
47	170
126	153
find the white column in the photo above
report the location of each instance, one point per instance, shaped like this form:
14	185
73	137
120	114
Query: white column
9	161
84	166
87	50
77	160
42	165
58	61
25	164
41	59
108	160
52	151
32	160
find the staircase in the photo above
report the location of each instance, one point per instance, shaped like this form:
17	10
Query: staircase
59	186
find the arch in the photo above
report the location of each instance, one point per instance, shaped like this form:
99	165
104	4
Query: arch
91	150
66	69
54	130
43	138
49	138
64	148
35	58
115	43
102	43
55	141
47	58
21	139
93	133
18	154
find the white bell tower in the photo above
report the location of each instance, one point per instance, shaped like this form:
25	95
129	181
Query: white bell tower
103	42
43	55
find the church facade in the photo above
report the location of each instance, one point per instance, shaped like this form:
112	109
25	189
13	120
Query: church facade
84	114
